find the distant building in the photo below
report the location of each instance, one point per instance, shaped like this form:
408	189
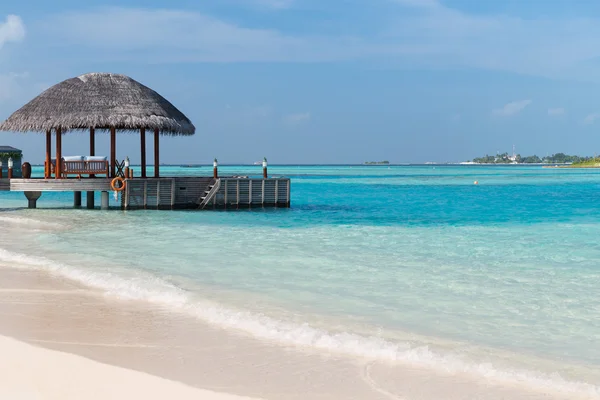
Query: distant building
7	152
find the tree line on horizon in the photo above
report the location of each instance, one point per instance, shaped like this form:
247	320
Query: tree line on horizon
558	158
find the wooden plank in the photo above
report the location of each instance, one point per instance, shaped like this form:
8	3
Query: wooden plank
59	185
126	194
145	194
172	192
276	190
158	193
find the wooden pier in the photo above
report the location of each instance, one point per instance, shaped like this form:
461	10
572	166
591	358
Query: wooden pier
168	193
114	104
205	193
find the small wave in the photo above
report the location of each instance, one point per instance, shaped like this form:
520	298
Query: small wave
141	286
30	222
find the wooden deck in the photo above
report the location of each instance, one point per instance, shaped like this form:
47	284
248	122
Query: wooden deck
171	192
60	185
205	193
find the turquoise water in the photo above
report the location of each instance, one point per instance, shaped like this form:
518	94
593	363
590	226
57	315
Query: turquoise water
411	264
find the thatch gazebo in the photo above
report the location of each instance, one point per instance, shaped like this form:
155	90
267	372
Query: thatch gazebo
99	101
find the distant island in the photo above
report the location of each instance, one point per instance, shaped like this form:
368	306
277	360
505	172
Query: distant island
558	158
377	162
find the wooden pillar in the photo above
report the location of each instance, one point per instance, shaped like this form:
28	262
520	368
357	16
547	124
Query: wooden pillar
48	168
113	152
92	146
143	151
58	169
92	142
89	197
156	154
77	199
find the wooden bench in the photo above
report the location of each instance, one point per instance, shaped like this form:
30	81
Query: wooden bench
81	166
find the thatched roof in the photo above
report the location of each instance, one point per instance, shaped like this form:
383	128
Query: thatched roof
101	101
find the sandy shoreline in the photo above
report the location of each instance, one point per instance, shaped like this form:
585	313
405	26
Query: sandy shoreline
30	372
167	351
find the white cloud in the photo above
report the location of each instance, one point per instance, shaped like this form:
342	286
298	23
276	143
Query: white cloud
263	111
11	30
418	3
276	4
423	33
512	108
555	112
449	37
297	118
179	36
591	118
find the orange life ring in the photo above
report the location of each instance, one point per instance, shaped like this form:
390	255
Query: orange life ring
113	184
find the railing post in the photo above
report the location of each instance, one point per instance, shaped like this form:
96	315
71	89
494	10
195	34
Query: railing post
264	165
126	167
10	167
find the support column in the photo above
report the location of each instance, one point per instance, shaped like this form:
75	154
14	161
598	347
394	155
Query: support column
77	199
156	154
92	146
92	142
113	152
143	151
32	198
89	197
48	167
104	200
58	169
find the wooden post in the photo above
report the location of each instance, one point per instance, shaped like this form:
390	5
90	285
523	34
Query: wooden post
215	169
126	172
10	168
92	142
113	152
143	151
90	200
156	154
58	169
104	200
77	199
92	146
264	164
48	169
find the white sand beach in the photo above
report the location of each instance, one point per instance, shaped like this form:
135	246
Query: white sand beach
29	372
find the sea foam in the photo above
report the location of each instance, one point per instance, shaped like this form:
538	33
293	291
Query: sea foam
143	286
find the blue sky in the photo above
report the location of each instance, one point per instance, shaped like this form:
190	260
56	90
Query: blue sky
314	81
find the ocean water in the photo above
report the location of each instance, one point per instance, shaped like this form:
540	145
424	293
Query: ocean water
401	264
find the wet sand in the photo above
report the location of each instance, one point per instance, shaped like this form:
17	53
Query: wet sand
162	348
